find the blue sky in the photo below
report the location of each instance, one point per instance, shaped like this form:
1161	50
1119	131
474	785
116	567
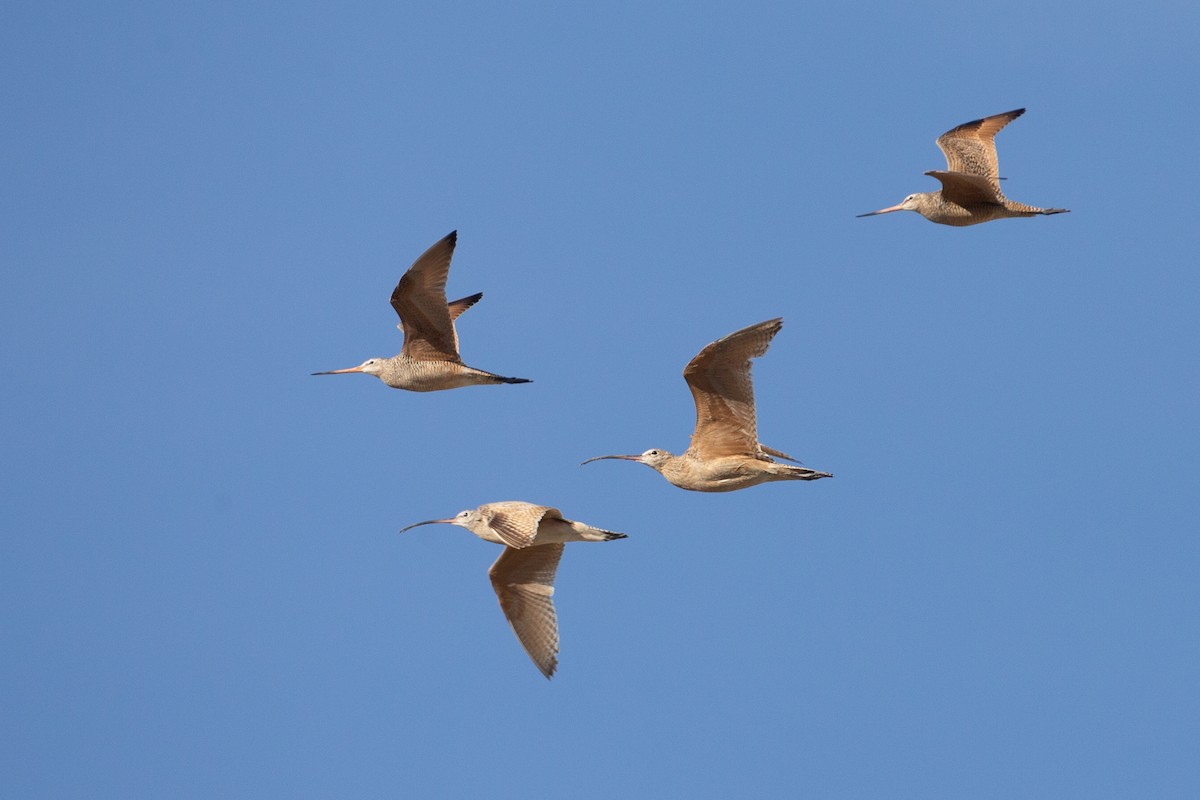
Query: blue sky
203	591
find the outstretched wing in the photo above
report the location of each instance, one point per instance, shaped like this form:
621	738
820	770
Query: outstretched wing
719	377
524	583
971	147
420	301
773	452
457	307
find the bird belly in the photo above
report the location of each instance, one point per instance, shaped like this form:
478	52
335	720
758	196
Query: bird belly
948	213
720	475
430	376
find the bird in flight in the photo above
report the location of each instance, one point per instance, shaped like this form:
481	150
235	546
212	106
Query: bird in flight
725	454
429	361
970	191
523	576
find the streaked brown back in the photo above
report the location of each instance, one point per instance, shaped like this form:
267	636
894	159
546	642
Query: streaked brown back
516	522
968	190
719	377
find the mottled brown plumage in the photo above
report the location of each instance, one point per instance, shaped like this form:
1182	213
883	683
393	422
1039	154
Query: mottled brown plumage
429	360
970	192
725	454
523	576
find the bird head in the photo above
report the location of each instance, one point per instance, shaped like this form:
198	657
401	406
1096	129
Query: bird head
372	366
910	203
463	519
653	458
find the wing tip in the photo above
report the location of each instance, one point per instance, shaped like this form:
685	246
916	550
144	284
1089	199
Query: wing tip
975	124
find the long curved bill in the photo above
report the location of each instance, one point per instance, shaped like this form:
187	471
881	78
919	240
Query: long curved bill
897	207
340	371
427	522
601	458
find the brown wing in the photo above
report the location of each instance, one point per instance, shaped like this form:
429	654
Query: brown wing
420	301
773	452
968	190
719	377
524	582
971	147
457	307
515	522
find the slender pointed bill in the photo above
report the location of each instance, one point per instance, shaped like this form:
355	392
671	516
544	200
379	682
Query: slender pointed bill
897	207
623	458
427	522
340	371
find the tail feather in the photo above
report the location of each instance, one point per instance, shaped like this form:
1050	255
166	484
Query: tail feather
806	474
483	376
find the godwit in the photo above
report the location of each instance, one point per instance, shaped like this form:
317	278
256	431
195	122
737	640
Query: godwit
725	453
429	360
523	575
970	191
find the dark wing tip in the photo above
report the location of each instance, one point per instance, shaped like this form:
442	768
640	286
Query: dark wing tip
975	124
771	326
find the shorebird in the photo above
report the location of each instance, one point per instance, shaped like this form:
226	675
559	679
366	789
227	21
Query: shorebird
725	453
429	361
523	576
970	191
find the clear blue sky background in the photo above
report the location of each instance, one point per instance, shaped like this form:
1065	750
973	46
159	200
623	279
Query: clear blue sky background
202	591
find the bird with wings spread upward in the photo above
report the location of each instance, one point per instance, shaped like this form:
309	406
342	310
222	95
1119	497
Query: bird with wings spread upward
725	454
429	361
970	191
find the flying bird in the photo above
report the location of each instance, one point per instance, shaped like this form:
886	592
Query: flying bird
523	576
429	361
725	454
970	191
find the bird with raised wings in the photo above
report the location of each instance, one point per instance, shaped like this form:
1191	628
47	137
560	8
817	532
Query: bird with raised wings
725	454
970	191
429	361
523	576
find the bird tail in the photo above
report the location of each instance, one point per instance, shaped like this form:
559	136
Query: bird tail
491	377
804	473
591	534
